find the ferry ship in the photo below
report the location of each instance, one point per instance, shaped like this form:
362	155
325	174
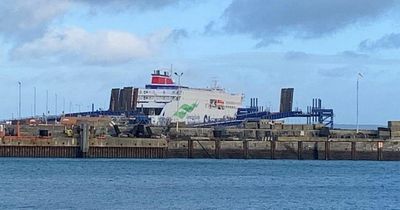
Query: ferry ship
164	101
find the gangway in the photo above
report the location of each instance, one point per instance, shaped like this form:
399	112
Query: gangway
314	114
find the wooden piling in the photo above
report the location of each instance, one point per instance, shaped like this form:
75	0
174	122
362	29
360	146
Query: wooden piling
245	149
84	140
273	146
190	148
327	150
217	152
299	150
353	150
315	151
380	149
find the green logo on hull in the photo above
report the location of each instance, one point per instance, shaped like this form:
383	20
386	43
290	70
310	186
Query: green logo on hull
185	109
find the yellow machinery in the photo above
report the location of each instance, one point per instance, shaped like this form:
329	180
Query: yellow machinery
69	132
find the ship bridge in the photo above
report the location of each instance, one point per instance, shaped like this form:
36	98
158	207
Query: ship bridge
161	80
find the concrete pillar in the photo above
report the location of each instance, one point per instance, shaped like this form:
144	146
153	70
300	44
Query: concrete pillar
246	149
353	150
300	150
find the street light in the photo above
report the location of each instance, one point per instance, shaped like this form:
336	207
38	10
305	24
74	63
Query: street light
19	99
47	105
79	107
63	107
179	75
55	110
34	102
70	107
47	102
56	105
359	76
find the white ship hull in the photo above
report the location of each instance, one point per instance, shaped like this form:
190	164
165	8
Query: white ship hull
164	102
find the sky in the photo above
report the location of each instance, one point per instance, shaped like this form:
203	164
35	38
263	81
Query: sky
78	50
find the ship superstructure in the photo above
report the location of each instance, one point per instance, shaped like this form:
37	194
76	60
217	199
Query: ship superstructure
164	101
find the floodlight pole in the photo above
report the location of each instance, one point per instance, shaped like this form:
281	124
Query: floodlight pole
359	76
19	99
177	99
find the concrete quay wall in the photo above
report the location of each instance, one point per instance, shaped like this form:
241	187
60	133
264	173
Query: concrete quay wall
303	148
62	147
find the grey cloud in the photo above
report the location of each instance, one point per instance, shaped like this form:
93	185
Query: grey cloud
178	34
338	72
209	28
266	42
389	41
121	5
269	19
92	48
25	26
352	54
294	55
21	20
351	71
213	28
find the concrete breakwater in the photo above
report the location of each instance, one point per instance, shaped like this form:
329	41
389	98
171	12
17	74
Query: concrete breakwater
302	148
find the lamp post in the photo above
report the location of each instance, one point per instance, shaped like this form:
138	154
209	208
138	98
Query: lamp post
47	105
179	75
359	76
56	105
34	102
19	99
79	107
55	108
63	107
47	102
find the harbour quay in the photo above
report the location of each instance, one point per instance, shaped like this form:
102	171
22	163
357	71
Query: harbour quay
262	140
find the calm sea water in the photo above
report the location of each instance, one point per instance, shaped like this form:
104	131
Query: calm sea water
197	184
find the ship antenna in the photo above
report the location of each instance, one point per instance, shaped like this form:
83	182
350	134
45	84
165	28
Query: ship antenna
170	70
